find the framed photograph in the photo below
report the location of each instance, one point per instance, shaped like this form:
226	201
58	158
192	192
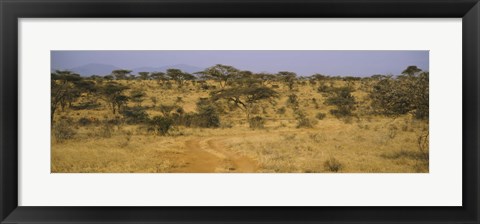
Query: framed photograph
239	111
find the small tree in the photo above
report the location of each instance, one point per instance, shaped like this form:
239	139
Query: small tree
408	93
160	77
113	95
179	77
135	115
137	96
108	77
208	116
161	124
65	88
265	78
220	73
244	79
288	78
411	70
144	75
389	98
245	98
121	74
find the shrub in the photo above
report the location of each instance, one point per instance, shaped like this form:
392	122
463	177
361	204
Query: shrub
344	102
63	130
256	122
180	110
161	124
89	105
333	165
407	93
303	120
84	121
314	101
292	101
135	115
320	115
166	109
137	96
316	137
323	88
207	116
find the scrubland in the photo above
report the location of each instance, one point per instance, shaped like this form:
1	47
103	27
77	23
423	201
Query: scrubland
301	126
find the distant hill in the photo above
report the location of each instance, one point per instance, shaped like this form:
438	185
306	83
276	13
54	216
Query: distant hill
104	69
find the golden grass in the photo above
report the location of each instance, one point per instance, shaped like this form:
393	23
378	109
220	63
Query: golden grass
362	144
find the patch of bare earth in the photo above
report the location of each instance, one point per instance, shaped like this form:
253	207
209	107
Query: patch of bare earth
210	155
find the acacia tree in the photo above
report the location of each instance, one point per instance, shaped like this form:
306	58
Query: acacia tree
63	90
220	73
245	98
318	77
288	77
179	76
265	78
144	75
408	93
159	76
137	96
121	74
113	94
245	78
411	70
108	77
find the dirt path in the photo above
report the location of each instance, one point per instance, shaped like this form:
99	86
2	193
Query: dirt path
208	155
237	163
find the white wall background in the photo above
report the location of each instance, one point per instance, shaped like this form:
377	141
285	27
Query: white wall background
442	186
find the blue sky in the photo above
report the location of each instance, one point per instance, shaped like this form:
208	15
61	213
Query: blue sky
353	63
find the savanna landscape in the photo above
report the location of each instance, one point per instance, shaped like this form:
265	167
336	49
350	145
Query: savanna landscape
223	119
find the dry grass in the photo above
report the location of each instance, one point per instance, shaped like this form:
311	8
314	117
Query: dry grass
362	144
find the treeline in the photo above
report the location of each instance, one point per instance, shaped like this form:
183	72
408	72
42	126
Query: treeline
237	89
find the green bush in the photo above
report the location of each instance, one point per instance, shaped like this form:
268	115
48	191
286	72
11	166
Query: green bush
161	124
323	88
292	101
84	121
208	116
407	93
343	100
135	115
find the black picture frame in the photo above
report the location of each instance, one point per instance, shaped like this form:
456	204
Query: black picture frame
12	10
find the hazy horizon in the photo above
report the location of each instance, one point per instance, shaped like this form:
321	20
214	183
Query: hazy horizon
303	62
